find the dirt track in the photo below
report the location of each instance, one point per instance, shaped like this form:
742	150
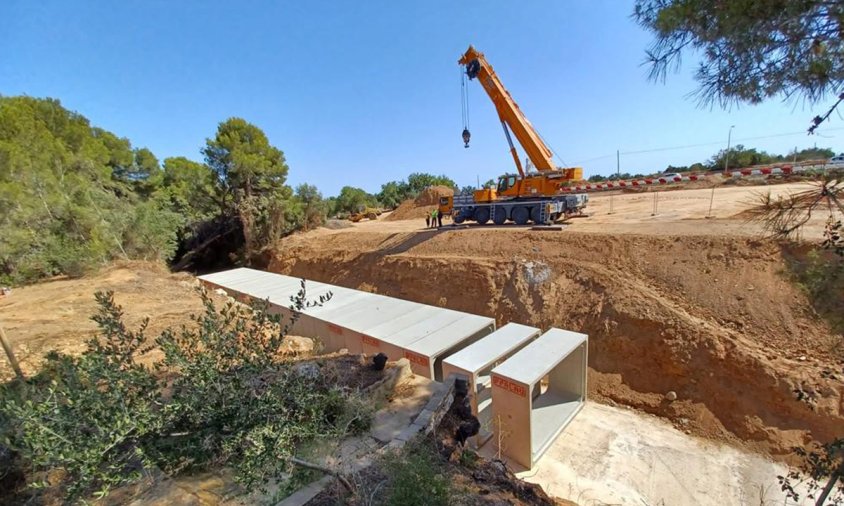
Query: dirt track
671	302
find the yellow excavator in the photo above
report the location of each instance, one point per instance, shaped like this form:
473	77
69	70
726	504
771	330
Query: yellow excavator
524	196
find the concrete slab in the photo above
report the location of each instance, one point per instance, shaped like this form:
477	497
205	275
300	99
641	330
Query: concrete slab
426	354
360	321
527	414
612	455
538	358
493	347
391	420
476	361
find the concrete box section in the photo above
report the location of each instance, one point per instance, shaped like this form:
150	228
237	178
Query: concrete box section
476	362
360	321
537	392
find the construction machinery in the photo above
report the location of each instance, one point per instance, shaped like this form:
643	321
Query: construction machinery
371	213
535	195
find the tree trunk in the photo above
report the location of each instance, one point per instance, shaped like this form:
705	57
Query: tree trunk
7	346
829	486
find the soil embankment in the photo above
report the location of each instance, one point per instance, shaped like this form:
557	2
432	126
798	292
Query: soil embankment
713	319
422	205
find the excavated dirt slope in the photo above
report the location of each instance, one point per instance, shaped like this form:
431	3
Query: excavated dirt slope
712	318
422	205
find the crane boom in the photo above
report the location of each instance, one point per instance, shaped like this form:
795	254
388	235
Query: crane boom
508	111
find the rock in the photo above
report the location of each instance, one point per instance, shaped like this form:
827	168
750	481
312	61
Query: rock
467	429
461	387
221	292
671	396
308	370
379	361
343	351
297	345
802	358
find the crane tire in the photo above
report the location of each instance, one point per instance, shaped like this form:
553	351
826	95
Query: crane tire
482	215
499	216
535	211
458	217
521	215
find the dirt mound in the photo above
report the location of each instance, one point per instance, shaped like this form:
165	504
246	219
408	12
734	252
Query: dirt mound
412	209
713	319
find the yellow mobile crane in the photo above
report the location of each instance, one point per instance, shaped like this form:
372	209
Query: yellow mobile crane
521	197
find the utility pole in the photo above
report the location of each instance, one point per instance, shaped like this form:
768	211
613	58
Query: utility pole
726	169
727	156
617	175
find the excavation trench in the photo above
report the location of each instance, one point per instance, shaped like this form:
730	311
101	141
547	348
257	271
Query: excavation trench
713	319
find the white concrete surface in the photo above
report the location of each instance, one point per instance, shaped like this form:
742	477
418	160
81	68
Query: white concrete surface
501	343
615	456
528	416
362	321
535	360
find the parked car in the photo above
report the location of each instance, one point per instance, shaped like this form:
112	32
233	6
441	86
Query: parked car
836	161
669	176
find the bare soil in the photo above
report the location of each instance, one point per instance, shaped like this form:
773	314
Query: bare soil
421	206
55	314
709	313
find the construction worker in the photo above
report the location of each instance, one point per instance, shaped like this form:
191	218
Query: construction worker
427	220
439	219
434	218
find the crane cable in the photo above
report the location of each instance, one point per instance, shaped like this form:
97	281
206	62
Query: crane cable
553	151
464	98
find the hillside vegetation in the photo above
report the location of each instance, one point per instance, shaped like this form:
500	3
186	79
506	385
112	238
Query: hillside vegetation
75	196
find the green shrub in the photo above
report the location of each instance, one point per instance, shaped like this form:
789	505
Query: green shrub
86	416
220	396
821	274
418	478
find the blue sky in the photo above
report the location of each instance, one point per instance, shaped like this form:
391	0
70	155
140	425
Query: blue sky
359	93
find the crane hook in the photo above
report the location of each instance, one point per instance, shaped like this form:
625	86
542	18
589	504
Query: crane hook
466	137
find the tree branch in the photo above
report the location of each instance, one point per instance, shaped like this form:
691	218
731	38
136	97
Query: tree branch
316	467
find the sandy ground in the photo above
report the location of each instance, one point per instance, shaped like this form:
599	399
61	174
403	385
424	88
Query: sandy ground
679	212
55	314
684	211
610	455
